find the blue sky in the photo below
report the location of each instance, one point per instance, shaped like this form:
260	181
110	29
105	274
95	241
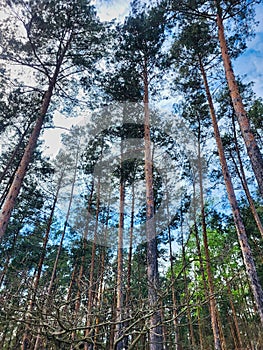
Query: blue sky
251	62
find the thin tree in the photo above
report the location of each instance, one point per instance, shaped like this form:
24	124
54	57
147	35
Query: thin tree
60	40
241	231
240	8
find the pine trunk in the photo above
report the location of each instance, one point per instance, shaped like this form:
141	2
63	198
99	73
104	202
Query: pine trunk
88	331
248	136
212	300
14	190
119	297
240	228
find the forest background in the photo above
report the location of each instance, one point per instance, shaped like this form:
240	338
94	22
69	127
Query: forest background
142	228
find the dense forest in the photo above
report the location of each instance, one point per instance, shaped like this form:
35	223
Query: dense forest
144	230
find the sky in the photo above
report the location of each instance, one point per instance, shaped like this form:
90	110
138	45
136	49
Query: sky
251	61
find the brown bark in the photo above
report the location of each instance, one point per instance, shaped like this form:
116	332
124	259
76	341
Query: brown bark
102	273
72	282
240	228
6	189
112	325
21	171
155	337
233	333
253	150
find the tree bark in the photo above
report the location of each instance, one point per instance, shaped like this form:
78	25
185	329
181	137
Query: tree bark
240	228
155	337
248	136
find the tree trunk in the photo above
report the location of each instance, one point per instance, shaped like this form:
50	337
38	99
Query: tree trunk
82	263
40	263
72	281
102	276
5	269
155	338
234	315
88	331
14	153
192	341
241	232
119	296
64	228
212	300
175	306
46	238
14	190
129	269
242	176
200	327
54	270
248	136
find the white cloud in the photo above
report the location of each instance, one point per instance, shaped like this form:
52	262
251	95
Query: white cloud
108	10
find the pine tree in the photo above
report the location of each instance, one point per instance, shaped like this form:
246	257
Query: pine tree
50	49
